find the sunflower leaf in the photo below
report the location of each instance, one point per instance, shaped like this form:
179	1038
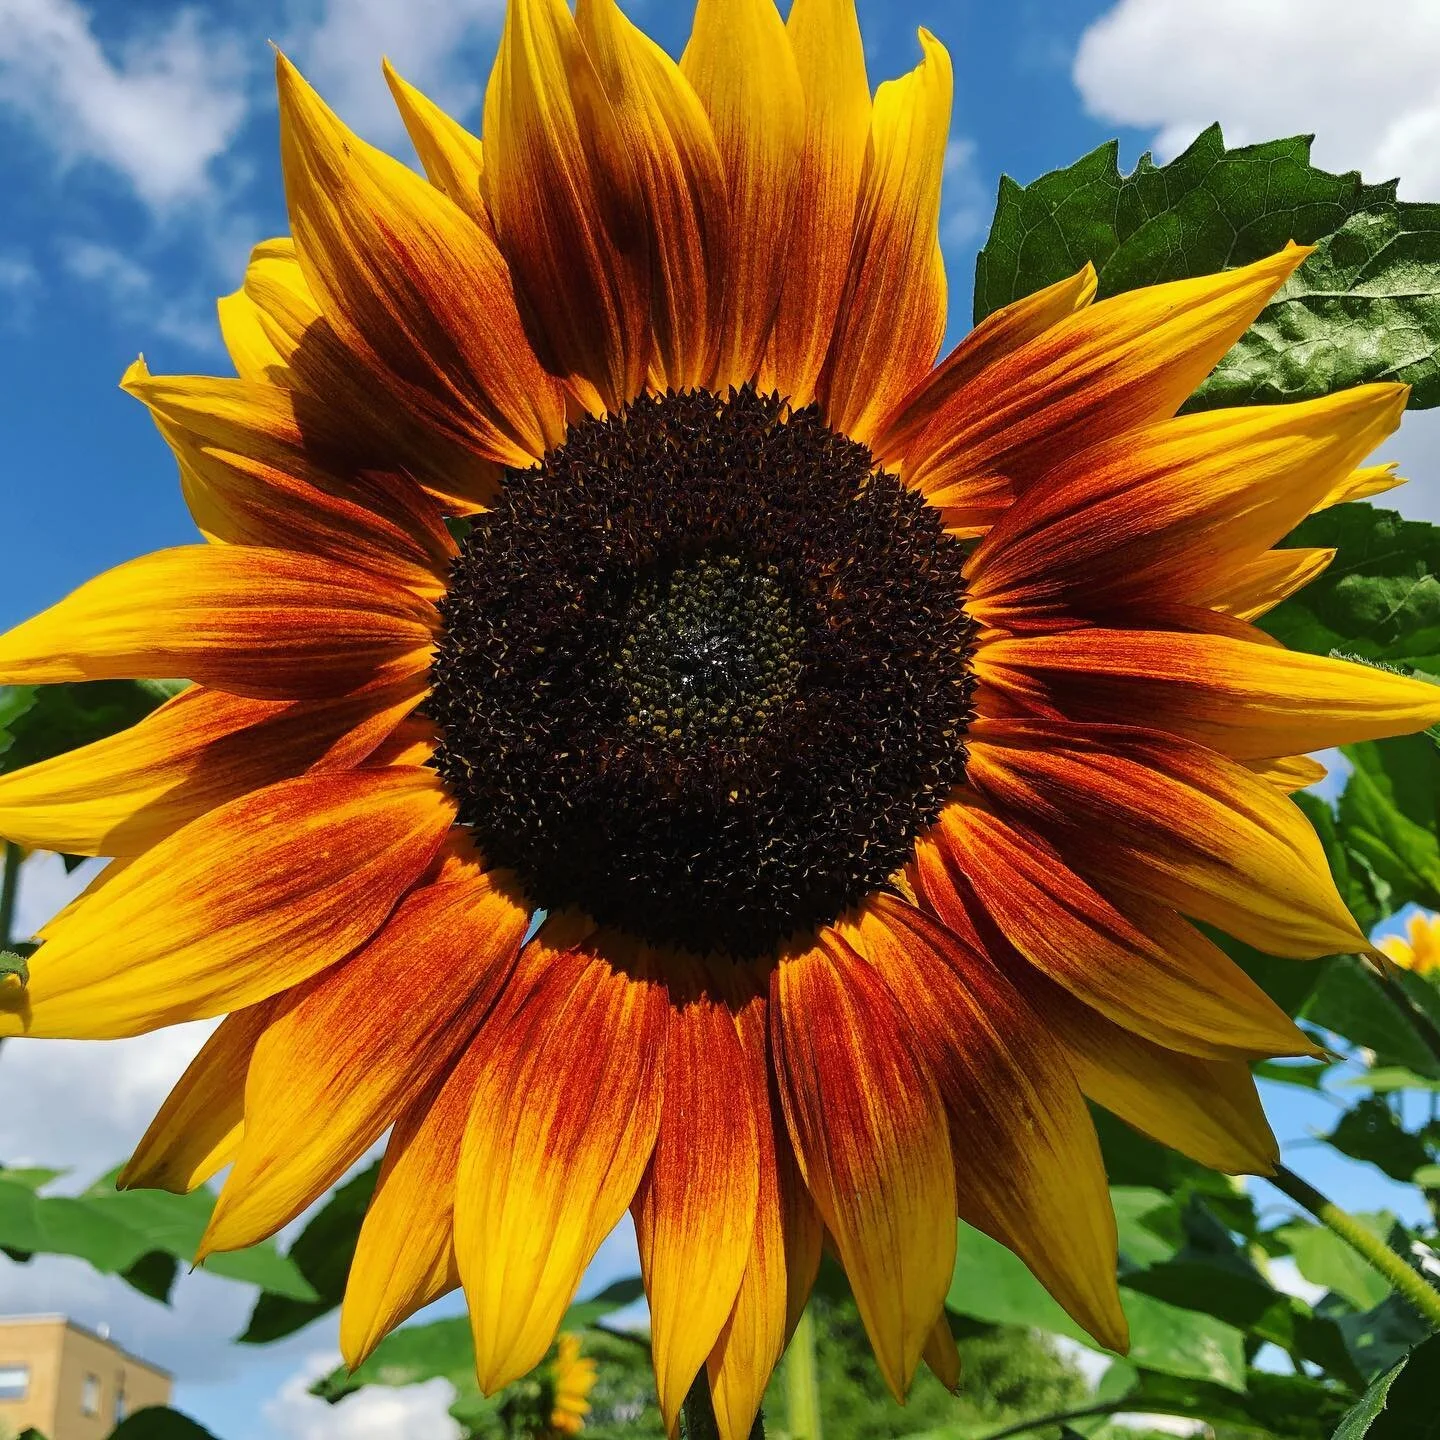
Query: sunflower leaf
158	1422
1365	306
54	719
1400	1404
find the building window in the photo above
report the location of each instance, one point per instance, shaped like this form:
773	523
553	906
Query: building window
14	1382
90	1396
121	1408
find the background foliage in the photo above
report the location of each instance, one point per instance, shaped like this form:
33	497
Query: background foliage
1216	1339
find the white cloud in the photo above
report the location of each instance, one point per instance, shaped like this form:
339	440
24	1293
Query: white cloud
158	111
418	1412
964	208
18	275
1360	77
138	297
443	46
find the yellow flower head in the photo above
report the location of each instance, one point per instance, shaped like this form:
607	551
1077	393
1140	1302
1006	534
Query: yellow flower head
573	1377
1421	952
871	730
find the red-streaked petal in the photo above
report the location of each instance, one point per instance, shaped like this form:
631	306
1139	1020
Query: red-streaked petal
891	320
249	900
567	1108
869	1131
1170	820
1028	1167
990	341
695	1211
1106	369
1241	696
350	1049
265	623
682	182
1137	963
121	795
563	192
741	65
830	58
412	285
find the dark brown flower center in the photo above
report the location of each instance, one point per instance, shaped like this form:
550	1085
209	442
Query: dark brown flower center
704	674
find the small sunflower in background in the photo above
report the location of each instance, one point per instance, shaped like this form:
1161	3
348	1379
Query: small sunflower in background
572	1378
1419	948
871	732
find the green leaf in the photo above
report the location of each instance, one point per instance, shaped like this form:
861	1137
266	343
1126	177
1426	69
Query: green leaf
993	1285
585	1313
322	1255
1379	600
410	1356
1352	1003
14	967
1372	1133
1380	1337
119	1233
63	717
1304	1074
1292	1406
159	1423
15	700
1325	1259
1400	1405
1208	209
1244	1299
1365	306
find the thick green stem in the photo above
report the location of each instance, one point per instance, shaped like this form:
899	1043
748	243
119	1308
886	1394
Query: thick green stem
9	889
699	1415
802	1382
1403	1280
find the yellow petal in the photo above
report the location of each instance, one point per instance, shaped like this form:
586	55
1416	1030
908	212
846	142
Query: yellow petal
830	56
251	349
1258	587
559	1137
695	1212
405	1257
266	623
678	167
1292	773
453	158
868	1126
412	285
200	1125
1206	1109
123	794
1365	484
892	316
247	901
943	1356
1244	699
564	194
742	67
337	1065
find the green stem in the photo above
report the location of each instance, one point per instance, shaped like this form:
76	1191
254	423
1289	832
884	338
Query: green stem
1061	1417
699	1415
802	1382
1403	1280
9	888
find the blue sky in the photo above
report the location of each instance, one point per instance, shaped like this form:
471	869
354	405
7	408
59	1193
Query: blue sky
138	164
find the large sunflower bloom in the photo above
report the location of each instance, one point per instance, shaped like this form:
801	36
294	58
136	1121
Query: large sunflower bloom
868	851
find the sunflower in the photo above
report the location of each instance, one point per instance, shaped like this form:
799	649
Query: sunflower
871	734
1419	948
572	1378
